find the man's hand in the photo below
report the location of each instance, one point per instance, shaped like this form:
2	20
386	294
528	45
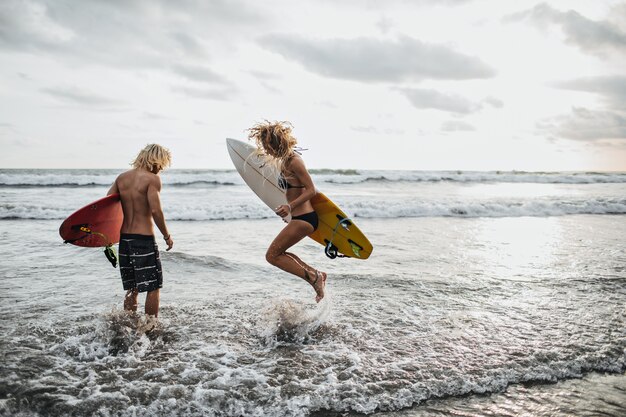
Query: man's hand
169	242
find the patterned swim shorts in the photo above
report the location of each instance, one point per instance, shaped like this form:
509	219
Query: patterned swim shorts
140	264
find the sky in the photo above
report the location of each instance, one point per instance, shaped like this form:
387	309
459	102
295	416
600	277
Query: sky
394	84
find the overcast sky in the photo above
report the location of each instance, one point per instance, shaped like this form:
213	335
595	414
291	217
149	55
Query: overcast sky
394	84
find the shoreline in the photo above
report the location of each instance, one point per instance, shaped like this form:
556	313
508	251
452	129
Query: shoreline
597	392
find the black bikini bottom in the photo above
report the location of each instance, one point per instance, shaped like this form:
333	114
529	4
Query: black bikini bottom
310	218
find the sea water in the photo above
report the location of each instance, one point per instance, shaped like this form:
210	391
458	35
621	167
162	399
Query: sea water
487	293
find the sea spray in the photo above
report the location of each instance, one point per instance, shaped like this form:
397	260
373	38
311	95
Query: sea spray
290	321
130	331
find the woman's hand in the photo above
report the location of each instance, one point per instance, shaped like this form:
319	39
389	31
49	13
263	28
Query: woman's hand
283	210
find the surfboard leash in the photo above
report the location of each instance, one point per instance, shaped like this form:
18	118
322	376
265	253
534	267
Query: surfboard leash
109	250
331	250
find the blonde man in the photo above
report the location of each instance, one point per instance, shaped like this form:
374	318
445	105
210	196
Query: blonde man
140	265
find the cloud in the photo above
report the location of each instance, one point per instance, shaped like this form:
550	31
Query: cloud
137	33
199	74
493	102
154	116
378	131
263	75
591	36
612	88
26	25
432	99
327	103
384	24
189	43
456	126
385	5
265	79
74	95
586	125
220	93
377	60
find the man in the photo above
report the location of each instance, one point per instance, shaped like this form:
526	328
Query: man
140	265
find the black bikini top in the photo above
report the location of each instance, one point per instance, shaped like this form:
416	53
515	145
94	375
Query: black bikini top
282	183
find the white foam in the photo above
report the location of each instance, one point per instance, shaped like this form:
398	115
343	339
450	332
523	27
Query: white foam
104	178
81	178
290	321
474	177
363	209
486	208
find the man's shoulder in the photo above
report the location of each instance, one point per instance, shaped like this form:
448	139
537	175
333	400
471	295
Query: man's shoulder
152	179
139	177
140	173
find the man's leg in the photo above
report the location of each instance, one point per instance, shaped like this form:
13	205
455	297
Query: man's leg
152	302
130	301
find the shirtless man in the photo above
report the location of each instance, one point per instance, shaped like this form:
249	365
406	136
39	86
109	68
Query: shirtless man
140	264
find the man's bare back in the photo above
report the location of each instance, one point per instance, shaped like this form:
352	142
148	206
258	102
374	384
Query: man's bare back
133	187
139	191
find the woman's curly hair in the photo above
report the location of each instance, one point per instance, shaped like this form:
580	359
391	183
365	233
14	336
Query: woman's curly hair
274	141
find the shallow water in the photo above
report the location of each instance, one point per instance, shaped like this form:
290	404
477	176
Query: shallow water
451	315
592	395
237	337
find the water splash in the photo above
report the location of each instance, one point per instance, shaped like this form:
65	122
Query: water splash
289	321
128	331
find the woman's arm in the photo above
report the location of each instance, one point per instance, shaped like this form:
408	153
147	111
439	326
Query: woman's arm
297	167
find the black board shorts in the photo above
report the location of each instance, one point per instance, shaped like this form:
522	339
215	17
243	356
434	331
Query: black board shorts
140	264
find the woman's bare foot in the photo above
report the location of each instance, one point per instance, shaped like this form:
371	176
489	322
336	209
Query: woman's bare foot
318	282
319	285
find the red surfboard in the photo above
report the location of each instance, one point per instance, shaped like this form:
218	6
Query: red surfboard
95	225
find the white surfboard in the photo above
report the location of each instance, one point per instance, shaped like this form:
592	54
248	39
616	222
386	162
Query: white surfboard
261	178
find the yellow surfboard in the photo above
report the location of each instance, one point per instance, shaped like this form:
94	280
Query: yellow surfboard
336	232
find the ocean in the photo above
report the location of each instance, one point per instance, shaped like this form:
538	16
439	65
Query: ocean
487	293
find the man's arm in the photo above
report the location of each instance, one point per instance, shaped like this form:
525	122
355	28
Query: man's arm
113	189
154	200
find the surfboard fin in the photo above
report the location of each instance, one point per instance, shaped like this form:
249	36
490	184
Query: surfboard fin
356	249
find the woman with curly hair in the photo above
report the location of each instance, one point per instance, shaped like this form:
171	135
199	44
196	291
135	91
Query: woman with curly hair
276	144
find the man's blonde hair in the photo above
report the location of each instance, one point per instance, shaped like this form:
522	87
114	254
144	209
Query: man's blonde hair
153	158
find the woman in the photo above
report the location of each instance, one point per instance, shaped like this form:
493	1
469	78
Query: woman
276	143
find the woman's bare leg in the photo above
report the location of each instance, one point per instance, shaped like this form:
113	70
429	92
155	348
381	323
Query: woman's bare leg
316	278
300	262
276	255
293	233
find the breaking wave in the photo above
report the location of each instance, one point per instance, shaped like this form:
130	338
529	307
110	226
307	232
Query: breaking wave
361	209
216	178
